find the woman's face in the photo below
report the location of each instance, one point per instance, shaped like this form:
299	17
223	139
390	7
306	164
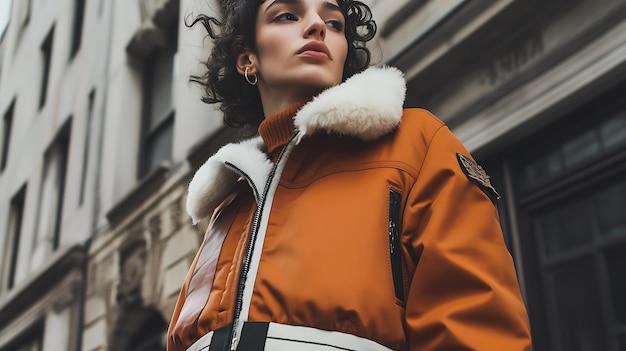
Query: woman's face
301	46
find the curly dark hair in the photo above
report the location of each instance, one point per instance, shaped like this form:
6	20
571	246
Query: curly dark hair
222	83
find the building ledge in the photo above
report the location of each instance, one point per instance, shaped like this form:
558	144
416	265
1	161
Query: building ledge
148	186
154	29
205	148
27	293
145	40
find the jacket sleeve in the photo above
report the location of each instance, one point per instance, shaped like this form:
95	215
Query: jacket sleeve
464	293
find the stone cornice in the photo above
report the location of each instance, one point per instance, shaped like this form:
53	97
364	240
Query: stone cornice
206	147
34	289
139	195
157	18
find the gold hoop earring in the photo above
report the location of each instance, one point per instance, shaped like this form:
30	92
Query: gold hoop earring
251	82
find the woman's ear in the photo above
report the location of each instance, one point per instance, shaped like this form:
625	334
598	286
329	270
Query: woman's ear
246	59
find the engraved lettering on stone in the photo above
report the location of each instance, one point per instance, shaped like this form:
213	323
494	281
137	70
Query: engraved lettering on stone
513	61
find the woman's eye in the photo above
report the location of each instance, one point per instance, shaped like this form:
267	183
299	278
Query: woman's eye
335	24
286	17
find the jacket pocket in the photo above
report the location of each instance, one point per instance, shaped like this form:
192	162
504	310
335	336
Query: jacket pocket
395	252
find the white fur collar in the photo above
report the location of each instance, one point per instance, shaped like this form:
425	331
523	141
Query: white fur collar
367	106
216	178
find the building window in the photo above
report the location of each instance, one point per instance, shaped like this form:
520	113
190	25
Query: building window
83	178
573	205
77	32
583	244
46	53
51	195
158	106
7	124
12	239
576	150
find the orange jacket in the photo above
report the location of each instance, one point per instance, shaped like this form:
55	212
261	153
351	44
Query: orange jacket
367	228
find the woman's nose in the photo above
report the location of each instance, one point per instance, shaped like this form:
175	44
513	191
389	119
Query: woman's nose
316	27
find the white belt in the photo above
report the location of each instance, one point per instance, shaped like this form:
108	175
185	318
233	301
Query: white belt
202	344
282	337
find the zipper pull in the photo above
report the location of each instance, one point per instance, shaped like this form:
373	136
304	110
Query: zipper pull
392	230
233	344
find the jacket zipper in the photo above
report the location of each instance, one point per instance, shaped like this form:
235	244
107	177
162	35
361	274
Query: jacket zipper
394	243
245	265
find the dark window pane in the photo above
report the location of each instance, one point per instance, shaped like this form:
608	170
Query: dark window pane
77	33
622	342
6	134
580	326
83	178
566	227
613	131
15	229
161	102
611	211
616	264
159	145
581	148
542	168
46	51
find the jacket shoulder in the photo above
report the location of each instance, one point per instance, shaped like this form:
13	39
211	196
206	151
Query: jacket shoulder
421	118
418	127
410	142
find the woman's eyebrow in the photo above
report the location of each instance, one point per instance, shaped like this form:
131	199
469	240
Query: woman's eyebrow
331	6
328	5
288	2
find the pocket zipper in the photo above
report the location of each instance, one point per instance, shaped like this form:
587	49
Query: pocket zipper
394	243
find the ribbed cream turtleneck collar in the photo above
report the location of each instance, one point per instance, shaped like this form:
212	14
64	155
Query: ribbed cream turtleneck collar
277	129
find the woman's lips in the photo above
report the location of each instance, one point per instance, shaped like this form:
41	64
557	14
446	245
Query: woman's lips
314	54
316	50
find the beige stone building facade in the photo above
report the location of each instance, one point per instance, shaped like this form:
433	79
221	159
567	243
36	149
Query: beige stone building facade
53	70
101	132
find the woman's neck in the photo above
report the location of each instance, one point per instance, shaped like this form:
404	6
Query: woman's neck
276	100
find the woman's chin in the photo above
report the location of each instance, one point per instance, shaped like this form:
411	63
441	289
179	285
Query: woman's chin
301	87
318	77
316	85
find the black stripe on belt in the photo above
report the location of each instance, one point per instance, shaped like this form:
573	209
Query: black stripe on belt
253	337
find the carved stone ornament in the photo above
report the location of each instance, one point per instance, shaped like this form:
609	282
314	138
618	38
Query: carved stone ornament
133	256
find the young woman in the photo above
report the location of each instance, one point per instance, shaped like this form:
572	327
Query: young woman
349	223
